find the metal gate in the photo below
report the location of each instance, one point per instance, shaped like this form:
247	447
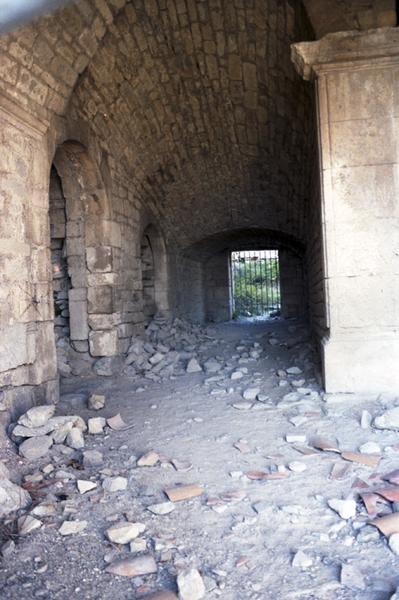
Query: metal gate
255	278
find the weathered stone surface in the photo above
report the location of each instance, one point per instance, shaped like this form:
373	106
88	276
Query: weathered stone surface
123	533
193	366
12	497
191	585
163	508
388	420
75	439
37	416
72	527
150	459
96	402
345	508
96	425
114	484
35	447
27	524
85	486
133	566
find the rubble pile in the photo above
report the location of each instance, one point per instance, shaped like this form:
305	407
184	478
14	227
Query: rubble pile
170	347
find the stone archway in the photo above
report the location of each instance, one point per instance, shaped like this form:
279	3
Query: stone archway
89	240
154	273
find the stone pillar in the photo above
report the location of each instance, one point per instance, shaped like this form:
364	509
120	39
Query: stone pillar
28	366
357	84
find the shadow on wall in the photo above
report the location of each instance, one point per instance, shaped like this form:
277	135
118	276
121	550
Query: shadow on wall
154	273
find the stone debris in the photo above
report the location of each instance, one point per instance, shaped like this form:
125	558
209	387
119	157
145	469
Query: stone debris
190	585
96	425
85	486
185	492
35	447
236	375
133	566
96	402
150	459
114	484
388	420
37	416
297	467
75	439
124	533
251	393
242	405
370	448
294	371
302	560
12	497
138	545
345	508
163	508
72	527
193	366
212	366
27	524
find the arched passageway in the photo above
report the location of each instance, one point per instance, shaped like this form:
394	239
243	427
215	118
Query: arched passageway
211	257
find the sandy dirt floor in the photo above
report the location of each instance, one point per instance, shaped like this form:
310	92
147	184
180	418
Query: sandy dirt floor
244	532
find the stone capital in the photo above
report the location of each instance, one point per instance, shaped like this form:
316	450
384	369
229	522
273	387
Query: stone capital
345	51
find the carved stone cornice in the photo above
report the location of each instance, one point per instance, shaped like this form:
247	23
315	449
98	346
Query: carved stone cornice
18	116
346	50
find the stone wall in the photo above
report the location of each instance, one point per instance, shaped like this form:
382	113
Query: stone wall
218	288
292	285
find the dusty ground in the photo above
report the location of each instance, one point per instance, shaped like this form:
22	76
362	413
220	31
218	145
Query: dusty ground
240	553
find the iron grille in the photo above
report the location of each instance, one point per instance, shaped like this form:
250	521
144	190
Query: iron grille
255	283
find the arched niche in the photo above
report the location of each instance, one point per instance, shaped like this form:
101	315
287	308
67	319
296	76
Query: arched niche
90	236
154	272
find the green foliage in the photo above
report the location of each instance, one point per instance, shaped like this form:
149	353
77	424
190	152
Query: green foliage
256	286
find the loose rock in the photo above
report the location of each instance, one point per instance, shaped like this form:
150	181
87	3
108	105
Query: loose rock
190	585
163	508
96	402
37	416
133	566
35	447
114	484
72	527
345	508
123	533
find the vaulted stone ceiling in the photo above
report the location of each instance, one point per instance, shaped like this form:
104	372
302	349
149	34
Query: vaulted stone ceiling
195	104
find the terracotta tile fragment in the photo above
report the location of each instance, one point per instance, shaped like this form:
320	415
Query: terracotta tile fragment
324	444
392	477
369	460
388	524
339	471
184	492
391	494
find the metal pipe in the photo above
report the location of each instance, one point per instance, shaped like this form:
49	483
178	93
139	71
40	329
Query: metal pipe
17	12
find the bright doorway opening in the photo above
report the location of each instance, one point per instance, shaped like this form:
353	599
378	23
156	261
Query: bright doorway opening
255	280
